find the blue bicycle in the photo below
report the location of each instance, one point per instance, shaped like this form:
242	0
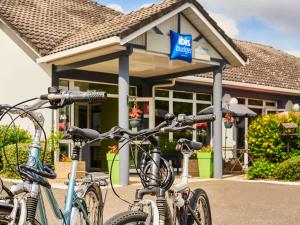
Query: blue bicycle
24	203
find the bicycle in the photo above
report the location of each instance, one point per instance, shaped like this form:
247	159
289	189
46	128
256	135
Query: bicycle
24	202
157	177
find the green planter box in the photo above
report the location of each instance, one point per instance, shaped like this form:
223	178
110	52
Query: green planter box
205	164
115	169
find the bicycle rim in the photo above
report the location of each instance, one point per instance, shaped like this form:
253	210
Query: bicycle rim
92	204
202	211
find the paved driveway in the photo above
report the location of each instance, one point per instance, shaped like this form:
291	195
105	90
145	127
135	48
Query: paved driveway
232	202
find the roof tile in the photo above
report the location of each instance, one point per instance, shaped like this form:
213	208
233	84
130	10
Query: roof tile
268	66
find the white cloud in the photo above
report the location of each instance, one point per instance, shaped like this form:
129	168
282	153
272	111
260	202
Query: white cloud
116	7
146	5
227	24
280	15
295	52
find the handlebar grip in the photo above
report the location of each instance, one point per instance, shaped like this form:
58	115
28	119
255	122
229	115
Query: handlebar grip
197	119
90	97
72	97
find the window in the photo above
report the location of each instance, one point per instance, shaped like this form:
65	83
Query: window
162	93
109	88
179	102
161	109
241	101
271	104
204	97
182	95
64	114
183	108
255	102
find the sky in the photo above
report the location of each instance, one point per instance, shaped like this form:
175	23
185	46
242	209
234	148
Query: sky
271	22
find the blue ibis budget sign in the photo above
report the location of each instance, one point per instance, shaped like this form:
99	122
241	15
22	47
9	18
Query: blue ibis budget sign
181	47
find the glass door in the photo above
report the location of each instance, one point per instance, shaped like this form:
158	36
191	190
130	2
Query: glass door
89	116
146	105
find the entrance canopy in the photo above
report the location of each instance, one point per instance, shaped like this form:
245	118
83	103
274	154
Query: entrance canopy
147	32
85	37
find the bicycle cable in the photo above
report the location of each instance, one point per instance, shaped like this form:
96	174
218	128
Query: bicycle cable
13	122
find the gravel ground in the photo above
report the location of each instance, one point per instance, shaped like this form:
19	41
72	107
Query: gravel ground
232	202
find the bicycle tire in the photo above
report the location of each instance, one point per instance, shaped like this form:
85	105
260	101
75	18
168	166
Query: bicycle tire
94	211
200	195
6	211
137	217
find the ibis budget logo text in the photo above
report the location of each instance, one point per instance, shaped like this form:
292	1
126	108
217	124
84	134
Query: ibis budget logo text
181	47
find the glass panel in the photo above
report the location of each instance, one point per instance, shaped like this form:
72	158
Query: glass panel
204	133
241	101
203	97
162	93
255	102
272	104
200	107
96	162
132	91
81	116
96	117
64	85
161	109
183	108
84	86
182	95
64	118
64	114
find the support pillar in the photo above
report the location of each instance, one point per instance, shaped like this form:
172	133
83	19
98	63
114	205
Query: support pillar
217	124
123	116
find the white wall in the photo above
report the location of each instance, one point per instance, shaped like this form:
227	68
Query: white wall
21	77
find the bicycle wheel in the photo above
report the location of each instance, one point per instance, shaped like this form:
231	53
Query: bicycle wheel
5	211
200	205
128	218
94	205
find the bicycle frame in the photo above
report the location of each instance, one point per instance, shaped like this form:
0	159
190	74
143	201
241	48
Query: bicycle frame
34	189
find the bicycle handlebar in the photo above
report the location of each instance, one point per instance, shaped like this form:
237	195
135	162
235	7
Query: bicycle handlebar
70	97
180	123
190	120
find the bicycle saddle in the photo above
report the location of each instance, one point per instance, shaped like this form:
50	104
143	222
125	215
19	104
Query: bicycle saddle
76	133
194	145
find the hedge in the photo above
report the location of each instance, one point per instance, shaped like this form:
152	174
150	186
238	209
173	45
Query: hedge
289	170
9	168
23	136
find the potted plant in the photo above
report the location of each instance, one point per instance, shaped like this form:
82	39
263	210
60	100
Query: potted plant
228	120
113	161
205	162
135	116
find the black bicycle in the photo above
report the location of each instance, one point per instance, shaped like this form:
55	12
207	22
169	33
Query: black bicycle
157	177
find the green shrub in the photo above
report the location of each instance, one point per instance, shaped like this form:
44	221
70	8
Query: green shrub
22	136
9	168
261	169
289	170
264	138
168	146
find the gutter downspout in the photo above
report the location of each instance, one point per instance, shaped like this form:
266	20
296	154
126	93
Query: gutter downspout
172	84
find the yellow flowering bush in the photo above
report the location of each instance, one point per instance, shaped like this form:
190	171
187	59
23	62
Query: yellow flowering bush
265	141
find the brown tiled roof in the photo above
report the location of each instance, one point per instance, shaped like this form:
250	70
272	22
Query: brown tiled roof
52	26
45	23
268	66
